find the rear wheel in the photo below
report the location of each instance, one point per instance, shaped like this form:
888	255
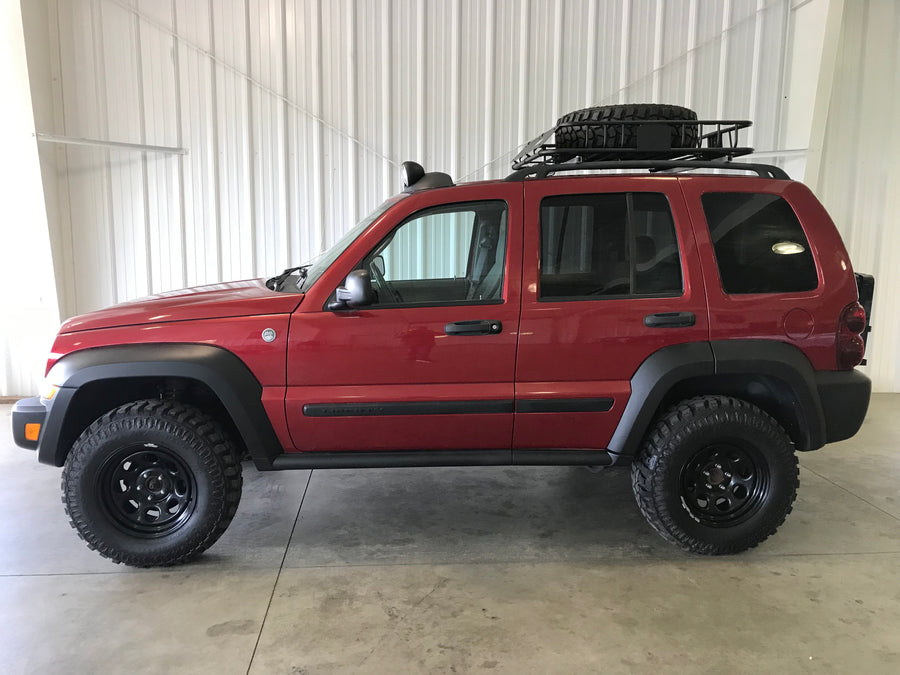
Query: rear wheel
716	475
152	483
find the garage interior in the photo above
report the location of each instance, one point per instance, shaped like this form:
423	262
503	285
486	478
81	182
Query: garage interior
156	145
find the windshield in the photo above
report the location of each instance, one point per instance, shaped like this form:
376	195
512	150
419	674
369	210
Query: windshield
317	266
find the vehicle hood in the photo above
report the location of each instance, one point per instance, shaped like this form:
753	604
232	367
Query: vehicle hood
216	301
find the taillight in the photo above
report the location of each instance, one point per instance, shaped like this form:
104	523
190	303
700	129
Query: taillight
850	345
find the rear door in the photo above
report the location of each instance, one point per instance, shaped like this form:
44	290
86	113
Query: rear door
431	364
611	275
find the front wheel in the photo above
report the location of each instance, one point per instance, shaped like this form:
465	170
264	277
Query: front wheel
152	483
716	475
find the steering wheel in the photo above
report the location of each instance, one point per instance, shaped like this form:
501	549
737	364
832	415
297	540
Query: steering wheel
383	284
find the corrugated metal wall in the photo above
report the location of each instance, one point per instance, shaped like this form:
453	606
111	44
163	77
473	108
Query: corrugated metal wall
859	181
295	114
29	311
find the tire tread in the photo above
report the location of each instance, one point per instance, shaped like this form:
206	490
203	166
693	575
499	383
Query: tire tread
663	440
215	450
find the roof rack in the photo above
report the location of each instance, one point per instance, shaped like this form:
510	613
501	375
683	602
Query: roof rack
656	145
544	170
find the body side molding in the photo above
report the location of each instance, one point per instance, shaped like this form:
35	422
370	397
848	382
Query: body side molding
382	408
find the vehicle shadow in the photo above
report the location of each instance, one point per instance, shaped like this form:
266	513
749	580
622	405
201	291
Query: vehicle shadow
448	515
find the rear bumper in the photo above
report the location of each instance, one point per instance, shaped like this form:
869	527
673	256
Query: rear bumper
25	412
845	399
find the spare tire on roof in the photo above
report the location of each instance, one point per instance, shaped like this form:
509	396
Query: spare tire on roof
614	137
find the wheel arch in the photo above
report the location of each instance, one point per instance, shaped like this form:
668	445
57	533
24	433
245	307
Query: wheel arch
93	381
774	376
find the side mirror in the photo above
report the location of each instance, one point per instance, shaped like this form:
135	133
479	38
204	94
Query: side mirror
356	292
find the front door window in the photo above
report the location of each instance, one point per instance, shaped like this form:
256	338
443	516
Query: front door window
452	255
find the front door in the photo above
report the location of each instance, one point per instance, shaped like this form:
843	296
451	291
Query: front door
430	365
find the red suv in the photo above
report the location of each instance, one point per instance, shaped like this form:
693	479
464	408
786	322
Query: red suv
696	326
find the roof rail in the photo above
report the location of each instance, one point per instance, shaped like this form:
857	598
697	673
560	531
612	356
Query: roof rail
544	170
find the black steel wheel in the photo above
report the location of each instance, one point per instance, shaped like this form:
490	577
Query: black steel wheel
152	483
716	475
147	490
724	484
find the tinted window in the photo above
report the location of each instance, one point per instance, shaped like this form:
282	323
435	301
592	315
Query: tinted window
606	245
449	255
759	243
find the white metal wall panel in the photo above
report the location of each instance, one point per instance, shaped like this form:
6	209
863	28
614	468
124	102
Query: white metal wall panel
29	312
860	175
158	90
193	106
118	50
297	113
85	180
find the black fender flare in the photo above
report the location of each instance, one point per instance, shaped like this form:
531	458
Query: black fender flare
725	360
650	384
219	369
783	362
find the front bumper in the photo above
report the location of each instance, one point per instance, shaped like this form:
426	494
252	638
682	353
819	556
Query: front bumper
26	412
845	399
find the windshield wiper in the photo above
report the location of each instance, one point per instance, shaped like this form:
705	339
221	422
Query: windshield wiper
276	283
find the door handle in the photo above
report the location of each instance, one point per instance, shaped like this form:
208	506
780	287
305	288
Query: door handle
489	327
670	320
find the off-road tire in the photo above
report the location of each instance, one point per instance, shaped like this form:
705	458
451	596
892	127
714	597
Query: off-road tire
707	429
612	137
159	445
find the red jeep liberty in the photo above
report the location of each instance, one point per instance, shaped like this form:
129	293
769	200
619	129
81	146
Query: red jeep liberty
666	309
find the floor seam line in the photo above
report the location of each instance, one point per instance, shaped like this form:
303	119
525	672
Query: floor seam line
849	492
443	563
585	561
287	547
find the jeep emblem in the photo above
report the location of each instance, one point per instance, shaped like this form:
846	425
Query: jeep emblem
269	335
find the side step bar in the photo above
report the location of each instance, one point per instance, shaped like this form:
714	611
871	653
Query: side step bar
422	458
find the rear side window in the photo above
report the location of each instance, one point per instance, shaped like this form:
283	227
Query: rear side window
759	243
608	245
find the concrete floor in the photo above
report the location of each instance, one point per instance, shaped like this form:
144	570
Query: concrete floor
531	570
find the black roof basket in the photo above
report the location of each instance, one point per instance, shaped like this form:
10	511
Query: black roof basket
655	145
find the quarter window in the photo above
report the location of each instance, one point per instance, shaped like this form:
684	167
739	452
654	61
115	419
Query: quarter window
759	243
608	245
